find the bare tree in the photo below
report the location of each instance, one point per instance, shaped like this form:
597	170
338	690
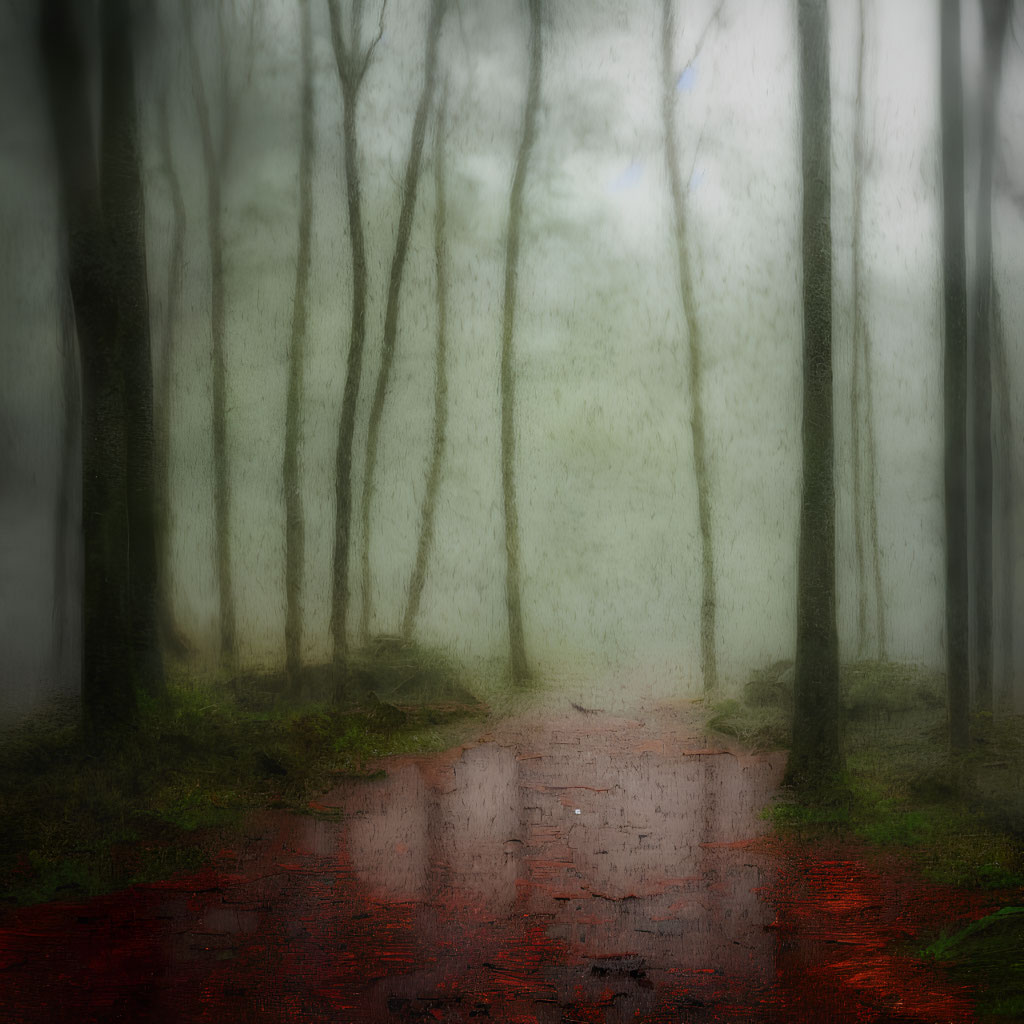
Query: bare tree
995	17
405	217
217	146
816	751
353	59
954	264
519	670
440	428
294	523
669	77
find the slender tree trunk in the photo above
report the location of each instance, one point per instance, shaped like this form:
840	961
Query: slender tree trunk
409	191
816	751
865	449
708	655
66	573
294	523
858	339
214	160
996	13
954	373
352	64
429	510
173	640
1005	619
518	667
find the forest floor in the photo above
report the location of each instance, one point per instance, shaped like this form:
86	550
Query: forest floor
566	865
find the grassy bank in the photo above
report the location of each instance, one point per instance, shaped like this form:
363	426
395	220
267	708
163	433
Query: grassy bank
959	821
75	824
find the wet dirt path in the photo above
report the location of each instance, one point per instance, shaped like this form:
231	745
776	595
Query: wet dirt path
571	865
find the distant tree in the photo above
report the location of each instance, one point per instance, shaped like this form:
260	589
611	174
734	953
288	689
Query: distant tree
440	428
865	449
669	77
102	209
217	148
954	263
995	17
815	750
1005	621
294	522
519	670
171	636
410	188
353	60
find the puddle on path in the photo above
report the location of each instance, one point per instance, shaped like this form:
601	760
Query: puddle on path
570	867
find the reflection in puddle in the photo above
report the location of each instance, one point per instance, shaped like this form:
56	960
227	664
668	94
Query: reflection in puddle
569	869
621	858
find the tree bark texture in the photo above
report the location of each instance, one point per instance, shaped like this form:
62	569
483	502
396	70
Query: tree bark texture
519	670
815	750
428	513
295	536
954	375
701	469
388	342
995	17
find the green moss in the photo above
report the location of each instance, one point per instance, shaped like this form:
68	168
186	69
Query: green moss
73	824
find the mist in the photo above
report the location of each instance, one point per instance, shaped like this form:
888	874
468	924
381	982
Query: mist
609	534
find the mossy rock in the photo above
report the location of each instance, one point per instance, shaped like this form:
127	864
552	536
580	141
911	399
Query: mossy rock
771	686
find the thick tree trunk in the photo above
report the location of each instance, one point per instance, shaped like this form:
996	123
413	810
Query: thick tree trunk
954	374
405	217
108	643
429	510
702	474
125	218
518	667
816	751
294	523
996	13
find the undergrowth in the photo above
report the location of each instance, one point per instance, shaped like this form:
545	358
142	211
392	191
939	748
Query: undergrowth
900	790
74	824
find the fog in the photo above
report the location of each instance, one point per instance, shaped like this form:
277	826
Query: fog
610	543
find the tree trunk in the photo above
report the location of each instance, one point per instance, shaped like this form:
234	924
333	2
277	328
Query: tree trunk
954	374
352	64
429	510
409	190
865	450
125	218
67	516
702	475
1004	624
996	14
294	524
108	676
173	640
518	668
214	161
816	751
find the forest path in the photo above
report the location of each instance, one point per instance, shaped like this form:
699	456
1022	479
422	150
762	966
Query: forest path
570	865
